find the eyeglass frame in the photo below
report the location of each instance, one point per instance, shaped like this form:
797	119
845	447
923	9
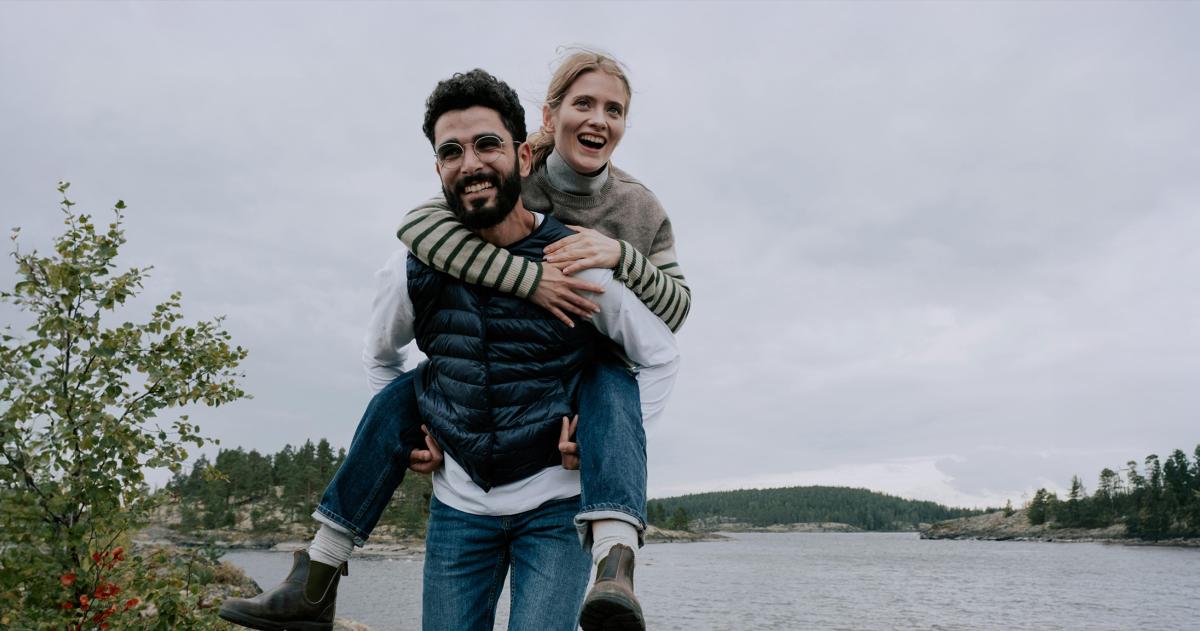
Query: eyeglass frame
441	163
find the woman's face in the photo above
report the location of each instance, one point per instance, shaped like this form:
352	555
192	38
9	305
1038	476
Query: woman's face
589	122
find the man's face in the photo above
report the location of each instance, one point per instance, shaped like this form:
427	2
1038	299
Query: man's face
481	194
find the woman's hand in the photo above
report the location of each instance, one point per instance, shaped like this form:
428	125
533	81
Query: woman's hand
587	249
556	294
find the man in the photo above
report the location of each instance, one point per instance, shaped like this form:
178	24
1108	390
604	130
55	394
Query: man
501	381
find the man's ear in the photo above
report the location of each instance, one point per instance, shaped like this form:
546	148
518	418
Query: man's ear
547	118
525	159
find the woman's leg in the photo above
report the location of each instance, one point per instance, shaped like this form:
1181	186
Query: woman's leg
612	447
374	467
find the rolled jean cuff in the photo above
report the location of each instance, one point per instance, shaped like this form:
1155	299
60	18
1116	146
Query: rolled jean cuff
597	512
333	520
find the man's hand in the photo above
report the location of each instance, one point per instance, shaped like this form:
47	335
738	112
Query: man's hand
566	445
426	460
556	294
586	249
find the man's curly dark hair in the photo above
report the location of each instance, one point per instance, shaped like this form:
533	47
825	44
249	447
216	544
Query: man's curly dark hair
477	87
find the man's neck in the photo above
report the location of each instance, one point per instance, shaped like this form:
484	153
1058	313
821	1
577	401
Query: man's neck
517	225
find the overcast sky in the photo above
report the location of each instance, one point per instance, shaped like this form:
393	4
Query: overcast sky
947	251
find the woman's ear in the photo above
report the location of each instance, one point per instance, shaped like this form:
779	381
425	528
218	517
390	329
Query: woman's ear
547	118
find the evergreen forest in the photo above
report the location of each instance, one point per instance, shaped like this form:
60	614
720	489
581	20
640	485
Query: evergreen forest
861	508
1160	501
263	493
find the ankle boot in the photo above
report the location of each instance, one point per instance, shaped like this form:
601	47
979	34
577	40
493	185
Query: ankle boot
611	605
304	601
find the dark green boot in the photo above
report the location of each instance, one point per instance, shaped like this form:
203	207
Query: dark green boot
304	601
611	605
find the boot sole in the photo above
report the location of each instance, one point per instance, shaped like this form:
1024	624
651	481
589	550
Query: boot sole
611	612
261	624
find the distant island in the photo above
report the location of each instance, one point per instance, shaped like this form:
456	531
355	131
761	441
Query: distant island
800	509
1159	504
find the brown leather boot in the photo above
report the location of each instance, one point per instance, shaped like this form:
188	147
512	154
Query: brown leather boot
611	605
296	604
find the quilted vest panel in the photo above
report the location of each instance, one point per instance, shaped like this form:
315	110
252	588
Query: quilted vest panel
502	372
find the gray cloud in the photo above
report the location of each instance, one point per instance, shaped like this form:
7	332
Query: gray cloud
954	241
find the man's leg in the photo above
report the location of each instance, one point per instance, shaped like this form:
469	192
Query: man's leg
549	569
350	508
612	452
466	559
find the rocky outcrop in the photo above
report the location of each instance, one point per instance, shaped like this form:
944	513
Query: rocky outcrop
654	534
1015	527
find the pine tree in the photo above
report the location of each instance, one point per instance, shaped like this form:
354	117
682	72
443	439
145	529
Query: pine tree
1037	511
679	520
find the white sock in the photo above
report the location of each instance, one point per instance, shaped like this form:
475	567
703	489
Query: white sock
330	546
607	533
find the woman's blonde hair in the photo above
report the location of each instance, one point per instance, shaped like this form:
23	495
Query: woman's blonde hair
578	63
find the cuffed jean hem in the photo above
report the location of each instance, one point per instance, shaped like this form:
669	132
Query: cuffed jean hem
340	524
597	512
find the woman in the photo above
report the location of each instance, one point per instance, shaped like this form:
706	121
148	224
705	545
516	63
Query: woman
620	226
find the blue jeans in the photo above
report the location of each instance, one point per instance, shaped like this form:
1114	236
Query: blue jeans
467	557
375	464
612	446
612	452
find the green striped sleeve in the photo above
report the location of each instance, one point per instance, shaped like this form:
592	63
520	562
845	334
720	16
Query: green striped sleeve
435	236
663	289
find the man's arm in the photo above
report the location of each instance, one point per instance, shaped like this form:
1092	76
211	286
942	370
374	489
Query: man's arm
391	324
646	340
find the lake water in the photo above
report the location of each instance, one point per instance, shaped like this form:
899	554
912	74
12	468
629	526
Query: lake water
861	581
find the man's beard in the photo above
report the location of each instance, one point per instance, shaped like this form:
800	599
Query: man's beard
482	215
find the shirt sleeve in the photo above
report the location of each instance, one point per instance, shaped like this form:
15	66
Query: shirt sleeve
645	338
390	328
435	236
658	281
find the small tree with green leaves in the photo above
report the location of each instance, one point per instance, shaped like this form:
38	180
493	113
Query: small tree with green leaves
79	395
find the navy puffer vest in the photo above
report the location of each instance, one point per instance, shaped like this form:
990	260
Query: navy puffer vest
502	372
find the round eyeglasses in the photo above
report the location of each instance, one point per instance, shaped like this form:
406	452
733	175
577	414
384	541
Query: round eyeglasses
487	148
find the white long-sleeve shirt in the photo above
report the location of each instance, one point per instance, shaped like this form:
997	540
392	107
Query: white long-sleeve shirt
646	340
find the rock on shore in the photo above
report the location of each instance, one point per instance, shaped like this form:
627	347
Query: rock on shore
1016	527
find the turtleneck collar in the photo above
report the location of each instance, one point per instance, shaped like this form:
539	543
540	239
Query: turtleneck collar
562	177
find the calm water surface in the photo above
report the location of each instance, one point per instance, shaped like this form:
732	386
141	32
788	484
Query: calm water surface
861	581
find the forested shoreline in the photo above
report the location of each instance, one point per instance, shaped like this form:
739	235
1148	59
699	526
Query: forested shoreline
862	508
263	494
1159	502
